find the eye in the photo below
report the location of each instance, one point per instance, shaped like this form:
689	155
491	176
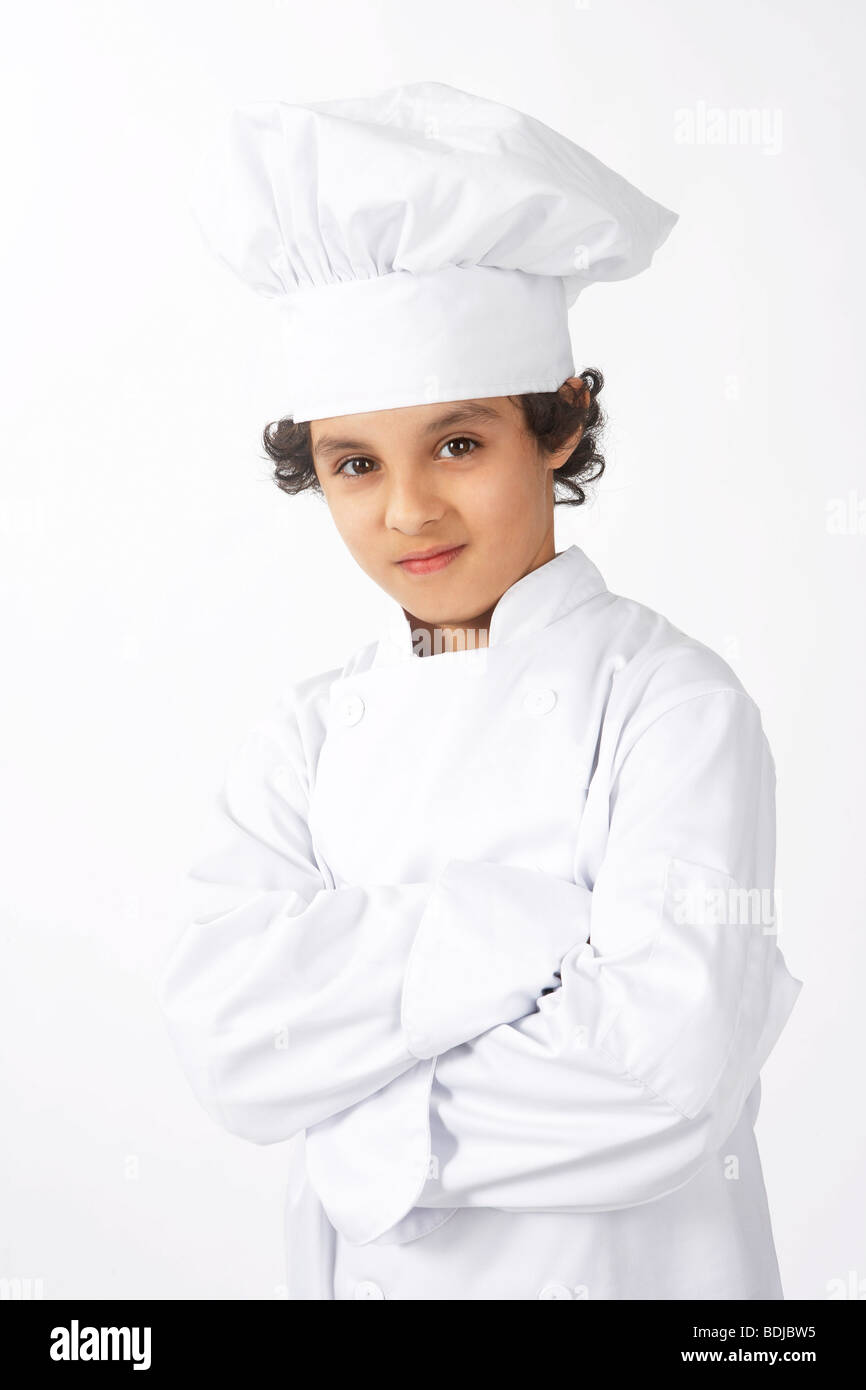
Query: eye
357	459
462	439
370	465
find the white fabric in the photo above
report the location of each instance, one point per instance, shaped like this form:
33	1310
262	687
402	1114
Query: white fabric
593	795
423	244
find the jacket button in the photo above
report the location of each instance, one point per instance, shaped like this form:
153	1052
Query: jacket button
555	1291
351	709
367	1289
539	701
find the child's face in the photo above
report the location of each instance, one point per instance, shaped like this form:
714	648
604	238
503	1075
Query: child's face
464	473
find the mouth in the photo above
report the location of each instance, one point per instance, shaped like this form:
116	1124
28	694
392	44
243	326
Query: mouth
427	562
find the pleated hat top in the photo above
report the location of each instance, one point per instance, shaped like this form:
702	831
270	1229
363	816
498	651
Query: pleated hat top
421	244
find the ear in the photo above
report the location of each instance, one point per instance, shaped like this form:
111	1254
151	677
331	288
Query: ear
574	384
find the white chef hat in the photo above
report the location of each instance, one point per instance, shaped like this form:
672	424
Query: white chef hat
423	244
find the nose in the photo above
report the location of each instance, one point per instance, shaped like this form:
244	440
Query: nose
411	502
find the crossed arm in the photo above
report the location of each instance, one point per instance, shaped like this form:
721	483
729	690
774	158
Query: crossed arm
289	1001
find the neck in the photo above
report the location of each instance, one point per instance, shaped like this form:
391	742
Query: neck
429	639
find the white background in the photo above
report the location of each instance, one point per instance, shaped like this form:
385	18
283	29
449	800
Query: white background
158	590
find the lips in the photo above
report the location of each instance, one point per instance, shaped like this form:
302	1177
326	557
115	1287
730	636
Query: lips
432	561
428	554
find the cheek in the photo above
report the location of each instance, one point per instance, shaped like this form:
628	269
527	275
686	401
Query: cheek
513	485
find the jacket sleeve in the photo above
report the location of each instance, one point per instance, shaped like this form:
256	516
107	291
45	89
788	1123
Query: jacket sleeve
628	1077
289	1000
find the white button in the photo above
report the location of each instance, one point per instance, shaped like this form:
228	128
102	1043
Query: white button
351	709
539	701
555	1291
367	1289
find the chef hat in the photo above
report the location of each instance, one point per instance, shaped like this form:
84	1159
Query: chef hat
422	244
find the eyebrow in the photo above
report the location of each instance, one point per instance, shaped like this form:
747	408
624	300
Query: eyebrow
461	414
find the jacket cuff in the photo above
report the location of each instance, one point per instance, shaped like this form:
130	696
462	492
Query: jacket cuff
490	939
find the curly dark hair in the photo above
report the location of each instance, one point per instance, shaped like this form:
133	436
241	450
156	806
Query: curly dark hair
551	416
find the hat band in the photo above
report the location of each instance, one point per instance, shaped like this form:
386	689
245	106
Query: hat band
401	339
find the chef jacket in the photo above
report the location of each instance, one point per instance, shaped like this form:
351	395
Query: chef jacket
489	935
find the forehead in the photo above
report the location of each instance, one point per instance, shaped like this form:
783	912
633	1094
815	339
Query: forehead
414	421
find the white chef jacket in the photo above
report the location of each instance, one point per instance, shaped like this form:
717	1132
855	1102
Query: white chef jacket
489	935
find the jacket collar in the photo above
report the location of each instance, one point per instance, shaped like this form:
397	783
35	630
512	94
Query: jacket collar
531	603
